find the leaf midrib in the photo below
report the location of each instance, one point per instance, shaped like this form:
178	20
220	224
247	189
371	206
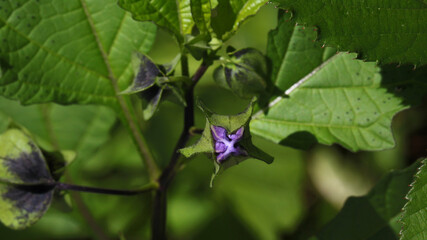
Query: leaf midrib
124	109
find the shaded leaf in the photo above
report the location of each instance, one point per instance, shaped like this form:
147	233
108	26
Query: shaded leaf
388	31
25	182
293	53
375	214
415	211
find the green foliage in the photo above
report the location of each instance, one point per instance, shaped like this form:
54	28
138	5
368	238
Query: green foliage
340	100
372	216
214	22
25	190
347	106
80	53
415	211
293	53
84	52
387	31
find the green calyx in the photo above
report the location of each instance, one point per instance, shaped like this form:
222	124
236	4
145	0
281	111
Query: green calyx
155	82
243	73
213	146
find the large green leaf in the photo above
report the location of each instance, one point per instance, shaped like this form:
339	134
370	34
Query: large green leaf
74	51
415	211
172	15
340	100
388	31
375	215
25	181
79	128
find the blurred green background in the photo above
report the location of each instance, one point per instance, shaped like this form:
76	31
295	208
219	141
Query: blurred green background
289	199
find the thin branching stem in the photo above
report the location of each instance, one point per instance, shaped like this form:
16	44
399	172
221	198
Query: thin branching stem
72	187
158	223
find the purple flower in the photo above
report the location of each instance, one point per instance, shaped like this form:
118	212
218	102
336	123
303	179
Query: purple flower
225	145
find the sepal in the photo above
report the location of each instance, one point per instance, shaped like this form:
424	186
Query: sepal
226	140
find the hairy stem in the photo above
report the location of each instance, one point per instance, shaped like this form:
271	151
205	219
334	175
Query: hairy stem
158	221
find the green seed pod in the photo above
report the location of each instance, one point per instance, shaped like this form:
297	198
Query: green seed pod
244	73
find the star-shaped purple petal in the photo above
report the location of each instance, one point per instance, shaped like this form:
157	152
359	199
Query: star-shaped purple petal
225	145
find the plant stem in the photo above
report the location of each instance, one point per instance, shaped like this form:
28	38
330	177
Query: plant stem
158	221
184	66
65	186
86	214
